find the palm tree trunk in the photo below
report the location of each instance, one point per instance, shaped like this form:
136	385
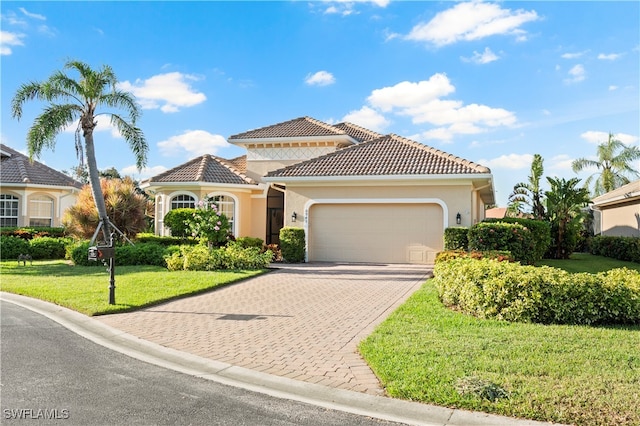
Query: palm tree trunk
96	189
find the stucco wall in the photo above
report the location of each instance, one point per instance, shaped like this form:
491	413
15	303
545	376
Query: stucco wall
621	221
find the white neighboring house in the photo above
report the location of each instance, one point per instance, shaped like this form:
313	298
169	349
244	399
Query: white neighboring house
32	194
617	213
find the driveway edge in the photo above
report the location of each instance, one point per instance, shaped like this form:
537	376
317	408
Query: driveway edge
412	413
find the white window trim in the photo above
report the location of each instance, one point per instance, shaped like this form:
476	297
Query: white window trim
235	228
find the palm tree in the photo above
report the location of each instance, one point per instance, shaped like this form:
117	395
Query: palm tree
70	100
564	206
613	164
530	193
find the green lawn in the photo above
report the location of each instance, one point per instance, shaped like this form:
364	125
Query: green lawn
567	374
86	288
584	262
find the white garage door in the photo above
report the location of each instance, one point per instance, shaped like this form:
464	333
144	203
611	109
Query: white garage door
380	233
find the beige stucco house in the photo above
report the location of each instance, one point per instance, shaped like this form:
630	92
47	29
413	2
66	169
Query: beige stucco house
32	194
360	196
617	213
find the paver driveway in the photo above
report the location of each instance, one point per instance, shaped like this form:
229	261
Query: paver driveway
302	321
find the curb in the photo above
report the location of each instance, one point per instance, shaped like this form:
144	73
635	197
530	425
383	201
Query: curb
395	410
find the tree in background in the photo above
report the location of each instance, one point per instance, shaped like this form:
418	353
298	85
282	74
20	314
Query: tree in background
564	206
126	208
530	193
79	102
614	164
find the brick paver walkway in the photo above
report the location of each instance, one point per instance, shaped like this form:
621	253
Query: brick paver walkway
303	322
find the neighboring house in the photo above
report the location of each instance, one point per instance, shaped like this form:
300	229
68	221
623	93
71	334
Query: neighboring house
360	196
32	194
496	213
617	213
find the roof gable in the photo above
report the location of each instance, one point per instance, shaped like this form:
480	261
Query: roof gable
384	156
358	133
18	169
298	127
207	169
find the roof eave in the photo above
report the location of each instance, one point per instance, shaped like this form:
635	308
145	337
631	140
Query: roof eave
370	178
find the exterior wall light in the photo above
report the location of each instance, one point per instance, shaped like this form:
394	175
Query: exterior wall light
294	216
458	218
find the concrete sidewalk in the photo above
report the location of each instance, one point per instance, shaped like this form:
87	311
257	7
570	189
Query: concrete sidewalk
292	333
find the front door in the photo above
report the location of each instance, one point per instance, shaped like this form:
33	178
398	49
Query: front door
275	216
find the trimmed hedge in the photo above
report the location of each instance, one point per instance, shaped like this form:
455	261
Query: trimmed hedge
139	254
48	247
513	292
29	233
231	257
622	248
500	256
502	236
164	241
540	229
176	221
292	244
11	247
456	239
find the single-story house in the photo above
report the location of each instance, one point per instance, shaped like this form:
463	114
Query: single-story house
617	213
359	195
33	194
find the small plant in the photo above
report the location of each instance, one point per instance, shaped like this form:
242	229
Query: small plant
292	244
481	388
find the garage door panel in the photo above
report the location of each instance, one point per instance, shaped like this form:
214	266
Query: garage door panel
385	233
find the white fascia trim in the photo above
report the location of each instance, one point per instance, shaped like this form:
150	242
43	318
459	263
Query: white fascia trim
615	200
310	203
380	178
294	139
234	186
27	186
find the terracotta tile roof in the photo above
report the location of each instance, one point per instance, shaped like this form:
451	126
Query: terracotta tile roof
16	168
385	156
298	127
206	168
358	133
239	163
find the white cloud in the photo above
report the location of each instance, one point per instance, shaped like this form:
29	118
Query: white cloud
192	142
613	87
472	21
32	15
482	58
560	162
320	78
145	173
8	40
609	56
408	94
597	137
169	92
573	55
509	161
347	7
367	118
422	102
576	74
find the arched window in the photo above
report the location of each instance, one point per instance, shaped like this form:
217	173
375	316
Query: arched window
183	201
40	211
8	210
226	206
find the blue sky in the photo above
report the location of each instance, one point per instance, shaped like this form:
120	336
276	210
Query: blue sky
491	82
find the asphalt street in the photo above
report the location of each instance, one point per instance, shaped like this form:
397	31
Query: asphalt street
50	375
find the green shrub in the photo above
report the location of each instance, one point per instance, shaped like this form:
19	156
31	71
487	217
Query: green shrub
456	239
11	247
29	233
541	233
203	258
176	221
502	236
500	256
513	292
622	248
246	242
164	241
292	244
141	254
49	247
78	253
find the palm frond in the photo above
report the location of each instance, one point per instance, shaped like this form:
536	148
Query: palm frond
47	125
134	137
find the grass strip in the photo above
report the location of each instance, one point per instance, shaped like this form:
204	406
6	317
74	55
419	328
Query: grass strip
86	288
567	374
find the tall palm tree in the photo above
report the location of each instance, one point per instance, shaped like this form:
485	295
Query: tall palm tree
613	164
82	99
564	206
530	193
